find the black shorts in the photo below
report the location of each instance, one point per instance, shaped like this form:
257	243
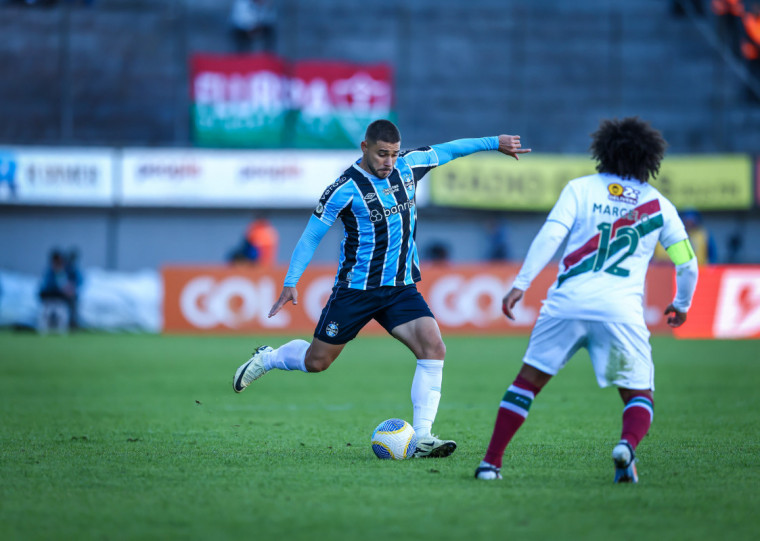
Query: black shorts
348	310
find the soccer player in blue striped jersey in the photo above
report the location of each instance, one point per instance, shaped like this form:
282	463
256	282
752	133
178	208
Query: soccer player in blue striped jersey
378	268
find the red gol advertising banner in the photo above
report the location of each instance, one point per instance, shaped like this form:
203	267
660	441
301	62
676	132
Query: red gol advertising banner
726	304
466	299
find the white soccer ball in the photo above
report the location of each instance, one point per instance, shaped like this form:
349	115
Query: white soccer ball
394	439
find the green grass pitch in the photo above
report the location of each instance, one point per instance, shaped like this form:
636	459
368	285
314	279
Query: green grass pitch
141	437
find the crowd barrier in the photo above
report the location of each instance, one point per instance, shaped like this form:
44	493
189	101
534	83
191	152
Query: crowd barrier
466	299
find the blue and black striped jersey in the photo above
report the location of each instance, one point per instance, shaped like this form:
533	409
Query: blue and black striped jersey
380	215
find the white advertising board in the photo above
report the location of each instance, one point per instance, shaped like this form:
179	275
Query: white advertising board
56	176
207	178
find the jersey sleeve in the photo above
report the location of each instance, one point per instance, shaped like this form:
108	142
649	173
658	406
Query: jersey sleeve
463	147
422	160
673	230
335	198
565	209
541	250
304	250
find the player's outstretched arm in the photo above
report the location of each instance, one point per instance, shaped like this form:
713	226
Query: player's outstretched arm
288	294
510	300
510	145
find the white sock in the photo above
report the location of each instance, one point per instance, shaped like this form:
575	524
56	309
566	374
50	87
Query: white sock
426	394
290	356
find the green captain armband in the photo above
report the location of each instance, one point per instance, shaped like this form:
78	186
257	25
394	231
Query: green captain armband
681	252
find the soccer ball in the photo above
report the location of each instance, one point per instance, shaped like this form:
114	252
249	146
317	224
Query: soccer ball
394	438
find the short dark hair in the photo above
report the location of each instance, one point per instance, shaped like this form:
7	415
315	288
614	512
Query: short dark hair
628	148
382	130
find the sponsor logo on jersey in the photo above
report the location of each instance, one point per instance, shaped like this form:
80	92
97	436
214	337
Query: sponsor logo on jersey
371	196
622	194
392	189
375	215
332	186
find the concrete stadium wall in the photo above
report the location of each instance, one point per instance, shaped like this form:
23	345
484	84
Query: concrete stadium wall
116	73
135	239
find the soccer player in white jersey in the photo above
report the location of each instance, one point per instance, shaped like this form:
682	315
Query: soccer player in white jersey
612	222
375	198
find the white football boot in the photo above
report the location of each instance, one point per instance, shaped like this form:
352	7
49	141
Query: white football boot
625	463
431	446
251	370
487	472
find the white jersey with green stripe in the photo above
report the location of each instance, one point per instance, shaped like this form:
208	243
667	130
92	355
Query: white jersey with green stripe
614	225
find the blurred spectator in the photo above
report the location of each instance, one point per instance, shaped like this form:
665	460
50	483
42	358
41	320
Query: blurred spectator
701	239
438	253
740	26
58	293
498	241
728	7
734	245
72	270
259	245
751	21
681	8
253	25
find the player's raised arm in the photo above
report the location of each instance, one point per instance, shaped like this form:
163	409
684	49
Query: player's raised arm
511	146
506	144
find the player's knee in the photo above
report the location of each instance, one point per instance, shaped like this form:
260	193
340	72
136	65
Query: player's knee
628	394
434	350
317	363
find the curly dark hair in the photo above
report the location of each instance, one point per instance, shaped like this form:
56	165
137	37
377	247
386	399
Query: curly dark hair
628	148
382	130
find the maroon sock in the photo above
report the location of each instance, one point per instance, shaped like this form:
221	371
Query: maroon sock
512	413
637	418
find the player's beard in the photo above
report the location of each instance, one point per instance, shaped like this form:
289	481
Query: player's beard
376	172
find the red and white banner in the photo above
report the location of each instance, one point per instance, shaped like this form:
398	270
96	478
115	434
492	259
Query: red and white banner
263	101
239	100
336	101
465	299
